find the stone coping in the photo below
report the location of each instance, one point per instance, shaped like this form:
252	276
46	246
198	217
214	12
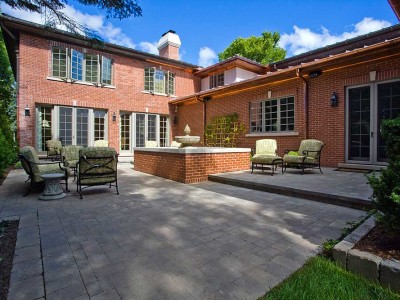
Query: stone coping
192	150
371	266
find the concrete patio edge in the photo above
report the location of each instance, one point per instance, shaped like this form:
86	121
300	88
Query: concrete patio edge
294	192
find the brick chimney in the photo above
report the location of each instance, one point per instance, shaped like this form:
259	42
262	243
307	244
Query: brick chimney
169	44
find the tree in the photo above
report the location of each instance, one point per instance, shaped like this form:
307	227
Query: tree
51	9
7	110
263	49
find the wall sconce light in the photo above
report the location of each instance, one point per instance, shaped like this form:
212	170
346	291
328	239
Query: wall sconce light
315	74
114	117
334	100
27	111
176	108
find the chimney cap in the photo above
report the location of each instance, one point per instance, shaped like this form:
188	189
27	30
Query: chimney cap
170	38
172	31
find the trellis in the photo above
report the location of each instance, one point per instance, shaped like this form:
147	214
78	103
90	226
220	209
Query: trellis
224	131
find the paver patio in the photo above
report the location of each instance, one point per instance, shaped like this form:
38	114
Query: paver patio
160	239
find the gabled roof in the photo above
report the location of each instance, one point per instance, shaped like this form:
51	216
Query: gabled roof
233	62
13	26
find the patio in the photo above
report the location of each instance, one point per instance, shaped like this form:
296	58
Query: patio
161	239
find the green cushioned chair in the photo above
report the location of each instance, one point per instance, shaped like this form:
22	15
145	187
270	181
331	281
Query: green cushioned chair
70	157
53	148
308	155
35	168
266	155
97	166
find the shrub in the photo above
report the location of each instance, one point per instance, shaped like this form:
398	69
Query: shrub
7	152
386	187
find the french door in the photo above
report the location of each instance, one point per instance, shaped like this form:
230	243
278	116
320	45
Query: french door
70	125
367	106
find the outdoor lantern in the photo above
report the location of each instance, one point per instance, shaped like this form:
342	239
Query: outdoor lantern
114	117
27	111
334	100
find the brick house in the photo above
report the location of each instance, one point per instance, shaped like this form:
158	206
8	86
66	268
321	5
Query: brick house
338	94
79	90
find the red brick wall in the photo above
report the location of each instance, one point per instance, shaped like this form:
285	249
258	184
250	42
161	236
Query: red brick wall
35	88
326	123
189	168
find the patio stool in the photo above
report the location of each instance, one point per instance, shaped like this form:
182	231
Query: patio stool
260	160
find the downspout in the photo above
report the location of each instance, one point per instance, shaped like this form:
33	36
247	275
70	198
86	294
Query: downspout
204	118
305	93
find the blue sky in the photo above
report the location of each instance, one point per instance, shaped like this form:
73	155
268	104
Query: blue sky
207	27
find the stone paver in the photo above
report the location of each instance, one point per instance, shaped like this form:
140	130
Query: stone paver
160	239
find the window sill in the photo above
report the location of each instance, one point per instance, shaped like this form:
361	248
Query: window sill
80	82
287	133
158	94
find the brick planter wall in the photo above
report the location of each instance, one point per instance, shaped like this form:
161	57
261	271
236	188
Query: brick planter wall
189	167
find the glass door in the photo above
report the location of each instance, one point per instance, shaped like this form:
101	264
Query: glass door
359	124
388	108
82	127
65	126
367	107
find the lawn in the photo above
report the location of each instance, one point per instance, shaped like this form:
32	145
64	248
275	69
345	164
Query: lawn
322	279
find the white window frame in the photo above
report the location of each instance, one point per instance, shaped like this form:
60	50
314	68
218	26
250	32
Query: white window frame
151	83
217	80
278	113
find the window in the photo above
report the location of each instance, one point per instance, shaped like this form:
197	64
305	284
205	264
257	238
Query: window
125	134
92	62
163	131
99	124
76	66
60	62
275	115
158	81
217	80
44	132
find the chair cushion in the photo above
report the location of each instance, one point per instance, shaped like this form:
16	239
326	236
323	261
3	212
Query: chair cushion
310	145
266	146
298	159
53	147
264	158
97	180
48	169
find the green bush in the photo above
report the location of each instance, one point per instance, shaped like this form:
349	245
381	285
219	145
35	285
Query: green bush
7	152
386	187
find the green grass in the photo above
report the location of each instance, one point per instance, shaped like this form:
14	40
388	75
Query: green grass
320	278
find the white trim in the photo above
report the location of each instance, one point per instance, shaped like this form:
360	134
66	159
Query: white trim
187	150
282	133
80	82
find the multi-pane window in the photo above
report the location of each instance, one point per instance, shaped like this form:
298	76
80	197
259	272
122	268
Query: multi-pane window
275	115
163	131
60	62
92	68
77	66
125	131
99	124
106	68
65	125
151	128
45	126
158	81
140	130
217	80
82	126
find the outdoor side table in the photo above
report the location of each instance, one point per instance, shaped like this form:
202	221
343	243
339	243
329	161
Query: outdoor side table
52	188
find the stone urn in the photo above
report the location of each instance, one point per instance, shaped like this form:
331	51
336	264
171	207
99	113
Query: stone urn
187	140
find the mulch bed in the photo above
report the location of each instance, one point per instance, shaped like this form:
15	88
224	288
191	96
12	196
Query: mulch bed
381	243
4	176
8	239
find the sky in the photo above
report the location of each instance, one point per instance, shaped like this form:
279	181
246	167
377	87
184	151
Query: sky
207	27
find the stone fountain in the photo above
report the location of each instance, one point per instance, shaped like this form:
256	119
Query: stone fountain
187	139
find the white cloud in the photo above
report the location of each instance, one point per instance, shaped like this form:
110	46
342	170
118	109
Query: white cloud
207	57
96	23
303	39
149	47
